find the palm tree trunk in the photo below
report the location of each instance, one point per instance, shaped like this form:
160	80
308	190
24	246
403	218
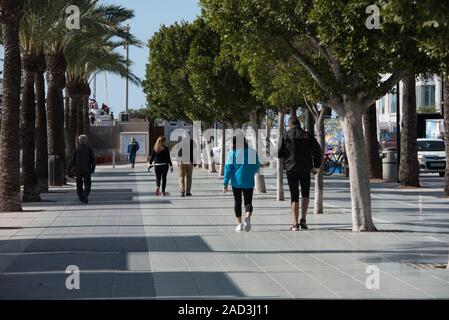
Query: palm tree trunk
27	126
374	160
86	113
10	12
409	165
66	116
41	128
280	161
79	117
71	126
446	136
55	110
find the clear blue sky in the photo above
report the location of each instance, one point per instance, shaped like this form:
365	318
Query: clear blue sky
149	16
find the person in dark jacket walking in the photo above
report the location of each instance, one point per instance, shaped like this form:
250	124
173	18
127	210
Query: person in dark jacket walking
162	160
82	166
302	154
133	147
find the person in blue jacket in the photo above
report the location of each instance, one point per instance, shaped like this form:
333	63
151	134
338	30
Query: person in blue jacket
133	147
241	166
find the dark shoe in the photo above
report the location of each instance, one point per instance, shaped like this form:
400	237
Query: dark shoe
164	194
188	194
294	227
303	224
183	194
86	201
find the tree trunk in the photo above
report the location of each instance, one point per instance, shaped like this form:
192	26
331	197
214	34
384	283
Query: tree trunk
309	121
359	178
260	178
79	118
319	179
27	126
223	150
41	128
10	12
293	111
280	162
55	110
72	123
374	160
409	165
209	157
446	135
66	118
86	114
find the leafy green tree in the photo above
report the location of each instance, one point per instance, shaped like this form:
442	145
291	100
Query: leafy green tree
330	40
188	79
430	24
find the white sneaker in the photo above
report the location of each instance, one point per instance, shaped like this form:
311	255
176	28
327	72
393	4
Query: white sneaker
239	227
247	224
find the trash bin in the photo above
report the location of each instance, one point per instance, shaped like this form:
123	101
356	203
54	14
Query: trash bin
55	171
390	165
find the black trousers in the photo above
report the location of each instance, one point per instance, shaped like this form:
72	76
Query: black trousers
83	179
299	178
247	198
161	176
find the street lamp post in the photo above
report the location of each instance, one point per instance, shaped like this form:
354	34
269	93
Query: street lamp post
127	71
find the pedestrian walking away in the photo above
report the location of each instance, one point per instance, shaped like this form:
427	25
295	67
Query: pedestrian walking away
162	163
133	147
82	165
187	161
241	166
302	156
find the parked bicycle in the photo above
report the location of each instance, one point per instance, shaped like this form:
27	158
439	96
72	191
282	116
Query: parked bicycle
332	161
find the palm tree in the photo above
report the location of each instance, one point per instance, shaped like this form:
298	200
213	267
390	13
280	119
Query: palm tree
31	47
41	126
10	13
85	59
60	42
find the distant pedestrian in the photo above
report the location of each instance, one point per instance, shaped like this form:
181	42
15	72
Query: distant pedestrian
82	166
241	166
133	147
186	164
162	161
302	154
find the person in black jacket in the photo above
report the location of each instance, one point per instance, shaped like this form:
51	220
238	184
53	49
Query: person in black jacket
82	166
162	160
302	154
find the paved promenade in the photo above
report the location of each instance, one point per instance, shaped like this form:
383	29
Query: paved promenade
128	243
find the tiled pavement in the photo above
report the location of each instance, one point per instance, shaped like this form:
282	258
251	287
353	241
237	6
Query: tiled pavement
128	243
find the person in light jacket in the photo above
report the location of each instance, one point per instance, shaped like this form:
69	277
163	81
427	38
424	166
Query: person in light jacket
241	166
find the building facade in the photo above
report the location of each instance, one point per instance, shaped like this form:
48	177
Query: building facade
429	101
